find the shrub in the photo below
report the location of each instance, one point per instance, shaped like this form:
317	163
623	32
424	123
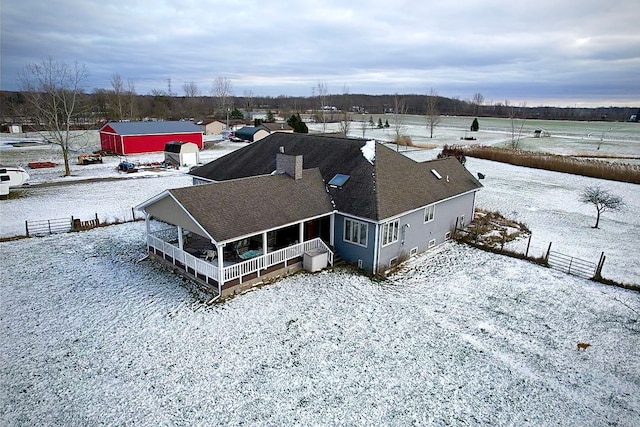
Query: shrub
404	140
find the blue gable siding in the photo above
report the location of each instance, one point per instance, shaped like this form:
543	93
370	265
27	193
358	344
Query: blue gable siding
352	252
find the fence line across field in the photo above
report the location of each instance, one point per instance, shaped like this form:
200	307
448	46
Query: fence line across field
557	260
43	227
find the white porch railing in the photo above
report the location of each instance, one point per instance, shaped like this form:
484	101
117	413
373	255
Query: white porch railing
198	265
262	262
237	271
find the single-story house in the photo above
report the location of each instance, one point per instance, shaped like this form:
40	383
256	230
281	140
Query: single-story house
180	153
264	207
147	137
276	127
251	133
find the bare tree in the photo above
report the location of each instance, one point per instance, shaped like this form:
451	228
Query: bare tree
248	100
477	102
118	94
322	100
221	92
514	114
399	114
602	200
344	111
131	91
433	115
190	89
191	92
53	93
160	104
364	124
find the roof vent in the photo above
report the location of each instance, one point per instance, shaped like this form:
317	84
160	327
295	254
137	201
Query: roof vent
436	174
281	149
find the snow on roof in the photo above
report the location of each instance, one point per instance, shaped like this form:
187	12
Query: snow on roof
369	151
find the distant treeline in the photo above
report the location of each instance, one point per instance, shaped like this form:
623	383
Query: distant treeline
105	105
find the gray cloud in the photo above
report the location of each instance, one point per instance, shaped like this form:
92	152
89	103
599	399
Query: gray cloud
555	52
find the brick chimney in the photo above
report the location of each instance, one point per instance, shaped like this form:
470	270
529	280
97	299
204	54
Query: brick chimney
291	165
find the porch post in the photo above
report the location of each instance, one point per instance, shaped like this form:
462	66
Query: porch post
147	224
180	239
332	220
301	232
264	243
220	249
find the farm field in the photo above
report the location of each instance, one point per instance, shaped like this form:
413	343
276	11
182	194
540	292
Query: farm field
457	336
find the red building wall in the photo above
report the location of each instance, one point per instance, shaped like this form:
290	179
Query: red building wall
149	143
133	144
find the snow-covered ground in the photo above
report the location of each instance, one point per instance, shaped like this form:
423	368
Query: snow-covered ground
457	337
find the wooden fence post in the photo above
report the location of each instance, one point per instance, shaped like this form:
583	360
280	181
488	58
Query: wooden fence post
526	254
97	220
546	257
598	273
26	227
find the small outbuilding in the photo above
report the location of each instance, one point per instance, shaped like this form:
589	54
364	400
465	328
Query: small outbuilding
251	133
147	137
214	127
180	153
276	127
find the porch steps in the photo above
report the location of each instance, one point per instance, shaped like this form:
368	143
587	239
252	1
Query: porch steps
338	261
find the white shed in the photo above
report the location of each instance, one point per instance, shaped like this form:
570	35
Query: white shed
181	153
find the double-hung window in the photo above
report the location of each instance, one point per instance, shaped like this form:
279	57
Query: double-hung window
355	232
429	213
390	232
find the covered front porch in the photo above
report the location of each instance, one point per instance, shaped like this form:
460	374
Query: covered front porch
228	267
230	235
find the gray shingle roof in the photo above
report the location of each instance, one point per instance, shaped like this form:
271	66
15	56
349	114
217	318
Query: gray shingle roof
146	128
393	184
246	206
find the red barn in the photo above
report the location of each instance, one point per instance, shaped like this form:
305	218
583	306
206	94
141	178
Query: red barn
145	137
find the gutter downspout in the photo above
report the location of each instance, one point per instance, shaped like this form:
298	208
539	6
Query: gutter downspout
376	250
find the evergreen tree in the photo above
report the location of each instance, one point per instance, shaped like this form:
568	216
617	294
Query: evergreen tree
371	121
380	126
237	114
475	126
270	118
386	123
295	121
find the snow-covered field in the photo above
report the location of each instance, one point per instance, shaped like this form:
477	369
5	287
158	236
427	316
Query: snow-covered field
457	337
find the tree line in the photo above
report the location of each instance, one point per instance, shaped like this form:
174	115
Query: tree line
105	104
121	102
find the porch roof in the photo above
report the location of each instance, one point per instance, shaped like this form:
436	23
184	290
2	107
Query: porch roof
246	206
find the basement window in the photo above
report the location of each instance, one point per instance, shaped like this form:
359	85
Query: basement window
338	180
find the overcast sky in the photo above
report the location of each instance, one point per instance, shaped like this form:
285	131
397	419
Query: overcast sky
542	52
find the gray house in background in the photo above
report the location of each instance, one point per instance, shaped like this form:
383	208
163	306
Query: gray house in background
367	203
